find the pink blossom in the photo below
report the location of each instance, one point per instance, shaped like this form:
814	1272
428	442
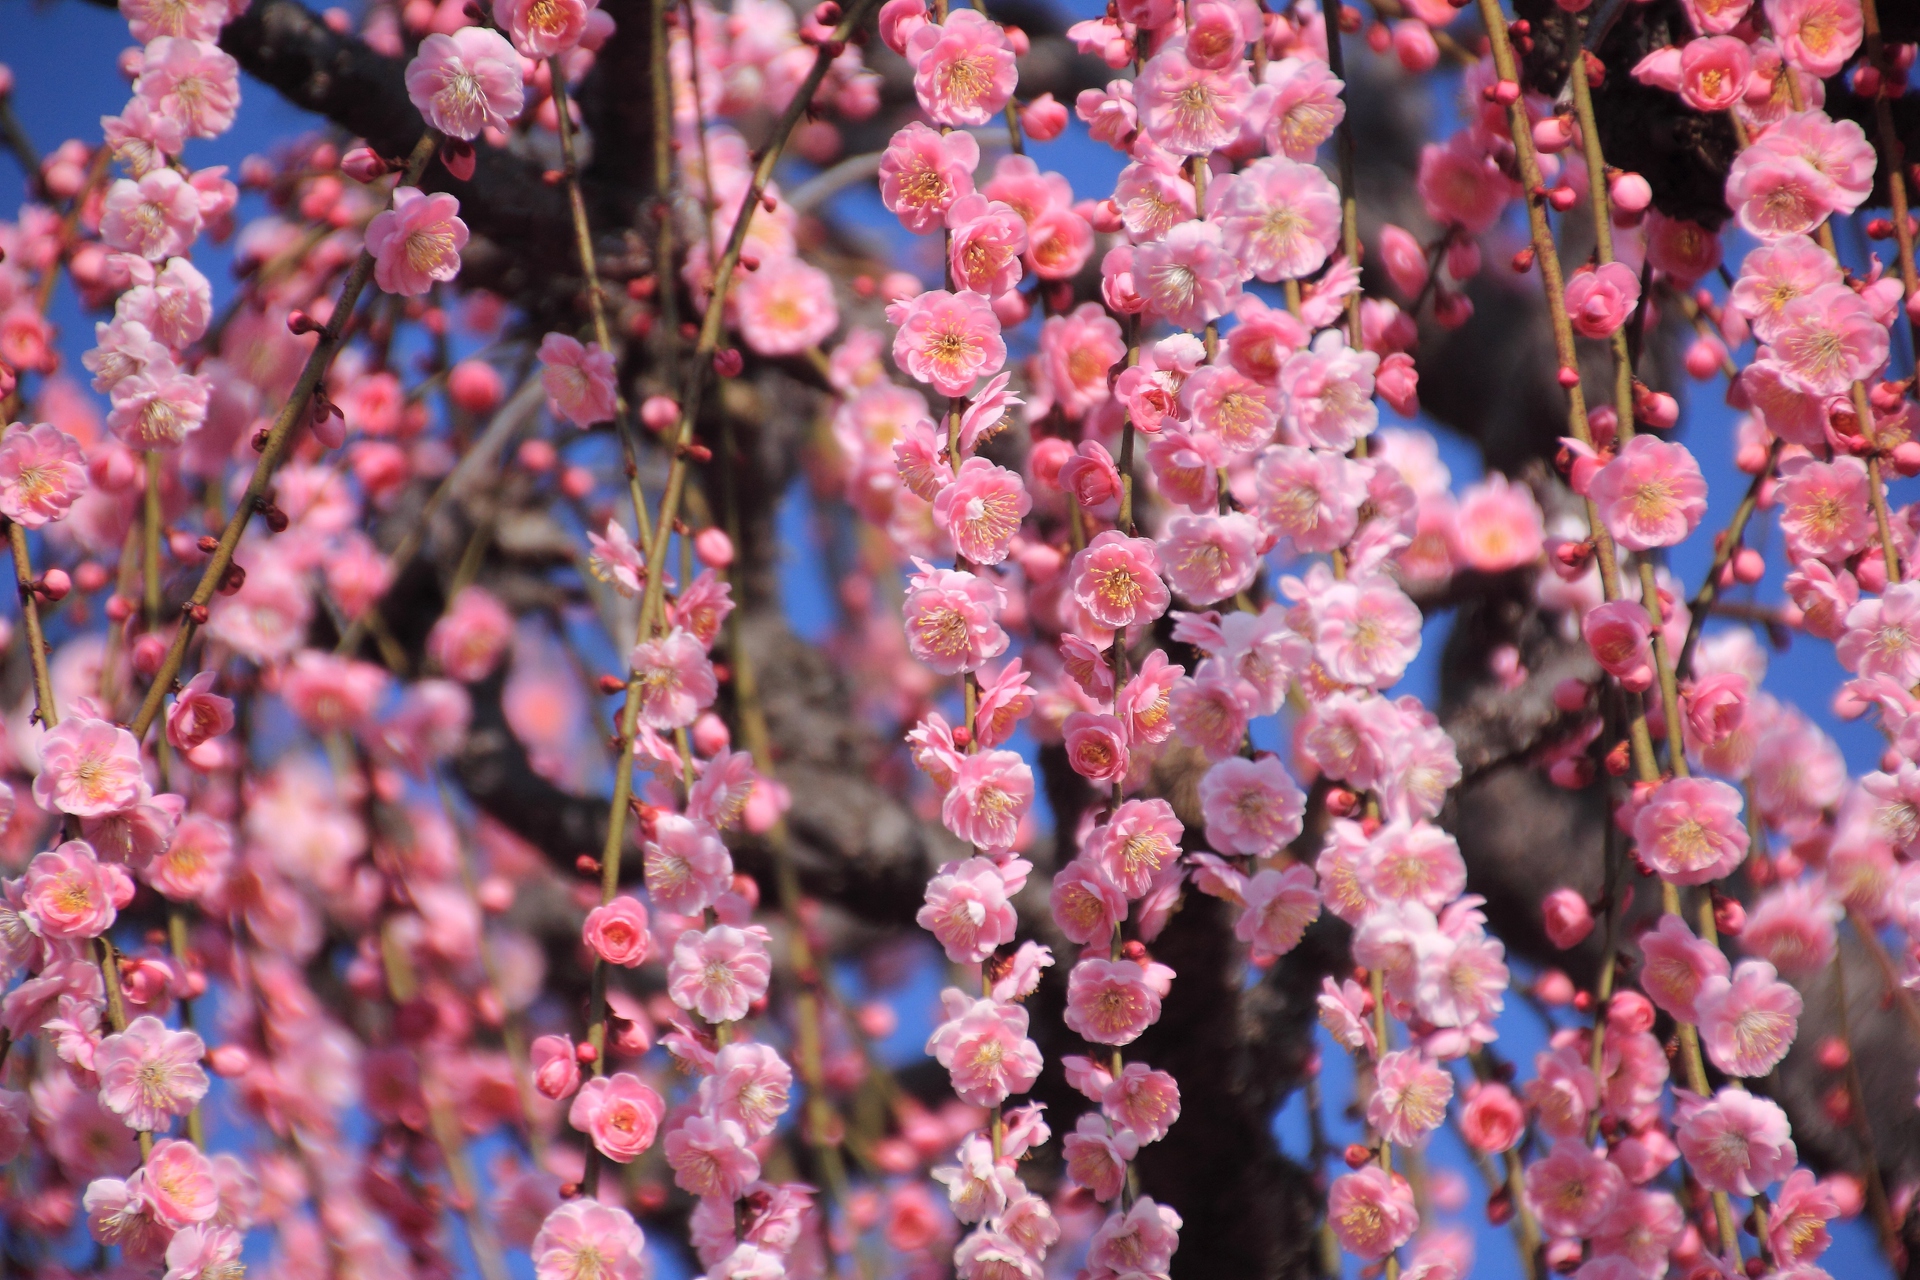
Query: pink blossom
1366	633
1824	511
1087	905
981	510
1187	277
466	82
1817	36
1678	967
1620	636
416	242
1414	862
620	1113
1279	217
1372	1212
950	619
1828	340
1883	635
1096	746
710	1157
1190	110
675	679
1090	475
1459	183
204	1251
1059	242
1280	904
583	1238
1690	830
193	82
1497	526
1748	1023
179	1183
1139	841
983	1043
968	911
1143	1101
1306	106
556	1071
544	29
578	380
1567	917
88	768
119	1213
1492	1119
1116	582
175	308
1005	700
42	472
1837	148
948	340
1210	557
1573	1188
1251	806
1599	301
1152	195
198	714
617	932
990	794
1774	275
1409	1099
1140	1241
1097	1156
963	69
1651	494
1078	351
149	1074
1113	1001
687	865
149	19
472	636
750	1086
1239	410
1797	1220
1312	496
1735	1142
1714	72
158	409
720	972
786	307
1329	391
988	239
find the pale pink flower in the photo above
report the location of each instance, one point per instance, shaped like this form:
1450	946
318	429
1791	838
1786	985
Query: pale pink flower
1651	494
1797	1220
1329	391
1241	411
156	217
1136	844
1410	1098
1187	277
750	1086
193	82
1735	1142
1252	807
990	794
194	20
1883	635
1210	557
1280	904
986	244
923	173
1414	862
616	932
466	82
983	1044
472	636
620	1113
1311	496
1690	830
1087	905
1140	1241
675	678
1497	526
1774	275
1306	106
1116	582
149	1074
687	866
1837	148
1599	301
1372	1212
1774	196
1141	1100
1366	633
1573	1188
1817	36
42	472
545	29
1621	638
1096	745
967	910
204	1251
118	1213
951	619
88	768
195	860
1824	509
948	340
981	510
1279	217
1828	340
710	1157
1676	967
1190	110
613	559
720	972
1152	194
583	1239
578	380
556	1071
158	409
1097	1156
179	1184
1078	351
786	307
1748	1023
416	242
1113	1001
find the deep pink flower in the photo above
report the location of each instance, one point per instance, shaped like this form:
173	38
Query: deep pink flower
1087	905
951	619
416	242
1372	1212
1240	411
1096	746
195	860
1492	1119
1621	638
1187	277
617	932
620	1113
1599	301
544	29
1651	494
198	714
987	241
1459	183
466	82
710	1157
1113	1001
149	1074
981	510
556	1071
923	173
583	1239
990	794
1116	581
947	340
